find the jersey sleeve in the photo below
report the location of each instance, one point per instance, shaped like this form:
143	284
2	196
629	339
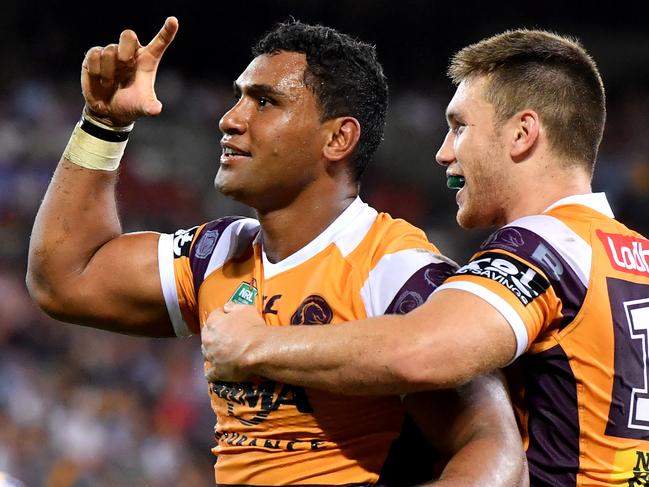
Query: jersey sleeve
405	272
535	272
183	259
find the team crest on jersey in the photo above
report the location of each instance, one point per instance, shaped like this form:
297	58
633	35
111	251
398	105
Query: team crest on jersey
626	253
183	242
206	244
314	310
523	281
508	238
407	301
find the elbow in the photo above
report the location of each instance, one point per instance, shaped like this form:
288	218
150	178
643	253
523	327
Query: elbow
44	294
429	368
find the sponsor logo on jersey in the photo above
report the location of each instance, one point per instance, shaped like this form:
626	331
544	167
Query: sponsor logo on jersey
183	242
270	303
626	253
314	310
251	403
523	281
548	261
640	470
206	244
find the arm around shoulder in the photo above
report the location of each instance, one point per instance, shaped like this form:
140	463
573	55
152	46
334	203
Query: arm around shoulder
444	343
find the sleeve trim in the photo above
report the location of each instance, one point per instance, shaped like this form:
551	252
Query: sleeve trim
502	306
168	280
390	274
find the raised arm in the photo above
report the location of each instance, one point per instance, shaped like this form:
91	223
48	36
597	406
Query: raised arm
448	340
82	269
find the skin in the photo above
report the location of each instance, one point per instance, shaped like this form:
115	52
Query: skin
510	171
278	157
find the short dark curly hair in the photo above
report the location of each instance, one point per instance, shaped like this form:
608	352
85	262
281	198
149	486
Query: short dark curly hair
344	75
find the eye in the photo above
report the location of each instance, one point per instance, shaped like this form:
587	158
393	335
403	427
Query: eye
263	101
457	128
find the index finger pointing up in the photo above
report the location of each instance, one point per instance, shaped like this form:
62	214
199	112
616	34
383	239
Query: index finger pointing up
161	41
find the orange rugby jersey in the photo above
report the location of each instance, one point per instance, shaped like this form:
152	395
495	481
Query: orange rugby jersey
573	283
364	264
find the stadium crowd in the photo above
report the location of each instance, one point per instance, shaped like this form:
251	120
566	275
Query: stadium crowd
85	408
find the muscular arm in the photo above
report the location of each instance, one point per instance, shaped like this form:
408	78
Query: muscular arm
448	340
474	427
82	269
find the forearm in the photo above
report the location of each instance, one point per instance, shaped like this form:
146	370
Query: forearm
468	468
444	343
288	356
474	426
486	460
387	355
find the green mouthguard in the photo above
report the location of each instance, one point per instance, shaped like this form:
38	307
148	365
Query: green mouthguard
455	182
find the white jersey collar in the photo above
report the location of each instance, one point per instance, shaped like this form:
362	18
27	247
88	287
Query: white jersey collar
595	201
344	222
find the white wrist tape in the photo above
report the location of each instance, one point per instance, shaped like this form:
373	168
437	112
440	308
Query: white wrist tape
97	146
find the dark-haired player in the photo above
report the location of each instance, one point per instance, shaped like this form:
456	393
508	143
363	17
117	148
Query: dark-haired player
309	116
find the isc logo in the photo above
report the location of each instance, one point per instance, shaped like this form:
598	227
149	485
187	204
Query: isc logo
627	254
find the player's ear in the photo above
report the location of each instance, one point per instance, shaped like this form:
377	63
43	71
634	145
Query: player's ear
526	127
344	133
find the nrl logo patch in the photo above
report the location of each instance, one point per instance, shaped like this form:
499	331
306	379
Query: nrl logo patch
245	294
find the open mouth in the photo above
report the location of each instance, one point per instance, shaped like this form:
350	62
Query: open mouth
230	152
455	182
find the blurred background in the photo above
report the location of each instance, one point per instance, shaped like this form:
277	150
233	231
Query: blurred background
85	408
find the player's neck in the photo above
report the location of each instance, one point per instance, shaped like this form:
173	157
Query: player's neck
287	230
546	189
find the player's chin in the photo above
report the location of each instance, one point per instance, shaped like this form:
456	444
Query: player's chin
466	218
224	182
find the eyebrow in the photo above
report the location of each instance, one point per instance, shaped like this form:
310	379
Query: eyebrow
258	90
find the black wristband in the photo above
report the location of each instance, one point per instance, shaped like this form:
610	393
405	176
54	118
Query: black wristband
102	133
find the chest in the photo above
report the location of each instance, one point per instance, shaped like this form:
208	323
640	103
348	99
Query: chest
319	291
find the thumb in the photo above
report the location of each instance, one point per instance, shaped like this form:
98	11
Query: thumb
152	107
229	307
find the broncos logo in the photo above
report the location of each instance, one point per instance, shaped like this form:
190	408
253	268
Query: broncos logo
314	310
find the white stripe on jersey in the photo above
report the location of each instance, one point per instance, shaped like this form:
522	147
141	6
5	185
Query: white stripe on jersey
574	249
237	237
346	231
168	280
389	275
502	306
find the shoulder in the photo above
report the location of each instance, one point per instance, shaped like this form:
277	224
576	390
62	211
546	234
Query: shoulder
547	241
201	240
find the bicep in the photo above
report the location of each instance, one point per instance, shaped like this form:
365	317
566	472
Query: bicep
459	336
120	289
